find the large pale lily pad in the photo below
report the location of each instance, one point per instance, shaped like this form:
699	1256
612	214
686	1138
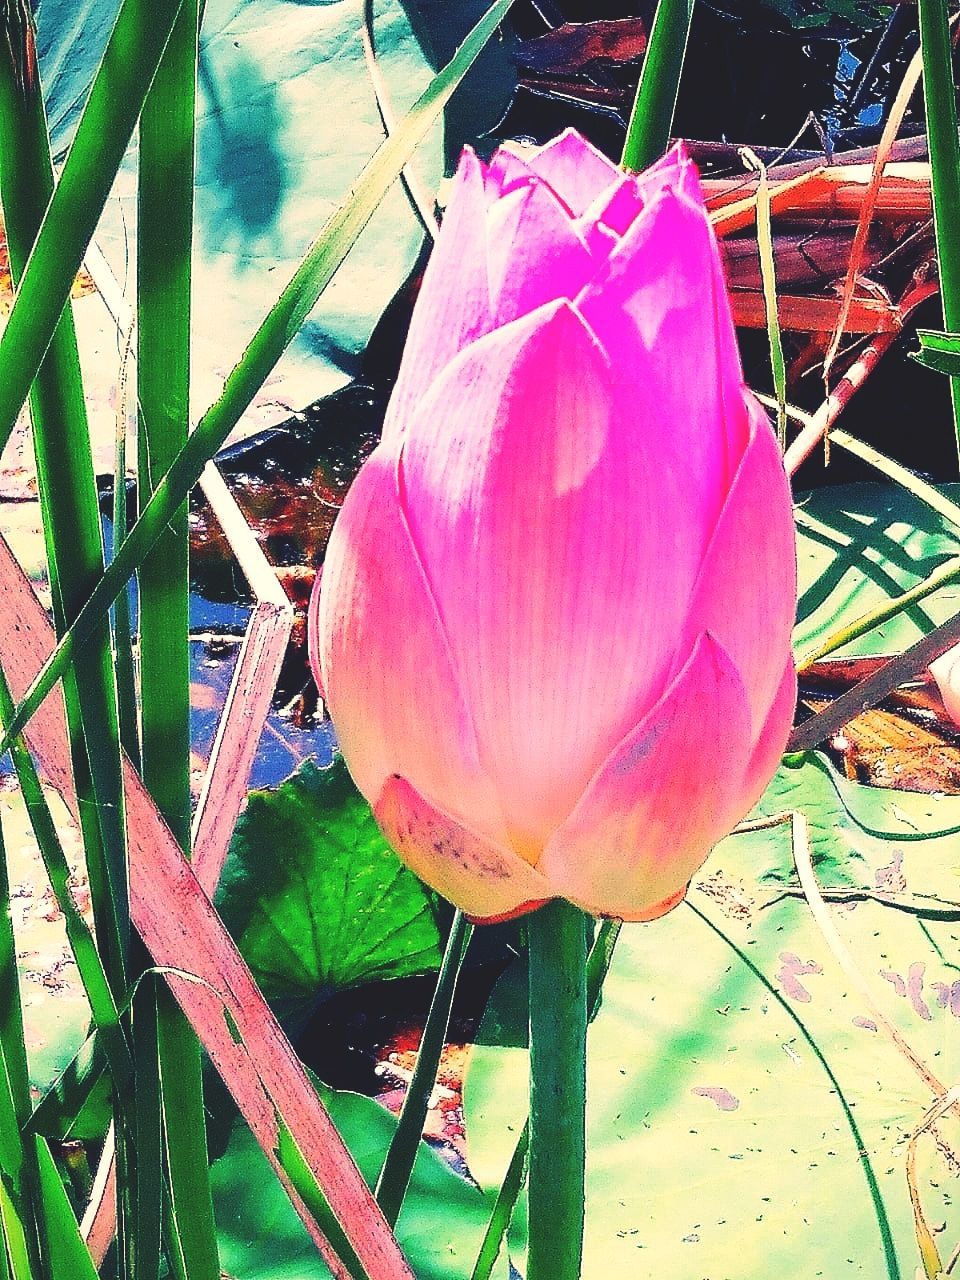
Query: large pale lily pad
287	117
740	1088
862	544
55	1009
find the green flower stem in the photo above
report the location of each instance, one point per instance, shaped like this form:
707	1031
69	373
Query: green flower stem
940	100
177	1124
598	965
558	1090
398	1165
648	133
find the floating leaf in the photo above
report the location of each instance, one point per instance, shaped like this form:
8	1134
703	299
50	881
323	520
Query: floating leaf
261	1237
55	1009
287	117
738	1087
860	545
316	899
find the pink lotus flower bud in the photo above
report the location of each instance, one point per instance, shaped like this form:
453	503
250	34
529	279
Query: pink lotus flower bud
554	623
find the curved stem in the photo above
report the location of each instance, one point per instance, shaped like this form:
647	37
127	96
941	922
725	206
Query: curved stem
558	1088
503	1209
398	1165
940	100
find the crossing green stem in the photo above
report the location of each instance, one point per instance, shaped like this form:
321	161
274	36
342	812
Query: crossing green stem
398	1165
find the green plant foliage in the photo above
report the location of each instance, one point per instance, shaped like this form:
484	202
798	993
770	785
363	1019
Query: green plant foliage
287	118
261	1237
712	1117
316	899
834	17
859	545
939	351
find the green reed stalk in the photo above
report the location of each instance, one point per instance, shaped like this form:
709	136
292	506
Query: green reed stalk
18	1223
940	98
71	518
93	975
651	120
398	1165
127	711
164	248
103	134
67	1254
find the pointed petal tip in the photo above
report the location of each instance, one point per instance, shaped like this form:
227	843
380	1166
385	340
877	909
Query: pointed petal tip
647	820
575	169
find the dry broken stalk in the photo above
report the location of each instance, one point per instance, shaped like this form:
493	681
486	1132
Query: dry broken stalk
907	88
219	996
816	425
251	690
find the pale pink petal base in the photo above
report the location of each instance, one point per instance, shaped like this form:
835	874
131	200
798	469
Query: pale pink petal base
772	741
661	800
484	880
946	672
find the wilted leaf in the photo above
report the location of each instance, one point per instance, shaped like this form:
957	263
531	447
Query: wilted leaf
574	46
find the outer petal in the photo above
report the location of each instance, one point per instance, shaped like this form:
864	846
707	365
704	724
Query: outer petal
507	170
481	878
454	303
534	253
671	341
773	738
665	795
576	171
746	592
385	663
313	633
552	542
